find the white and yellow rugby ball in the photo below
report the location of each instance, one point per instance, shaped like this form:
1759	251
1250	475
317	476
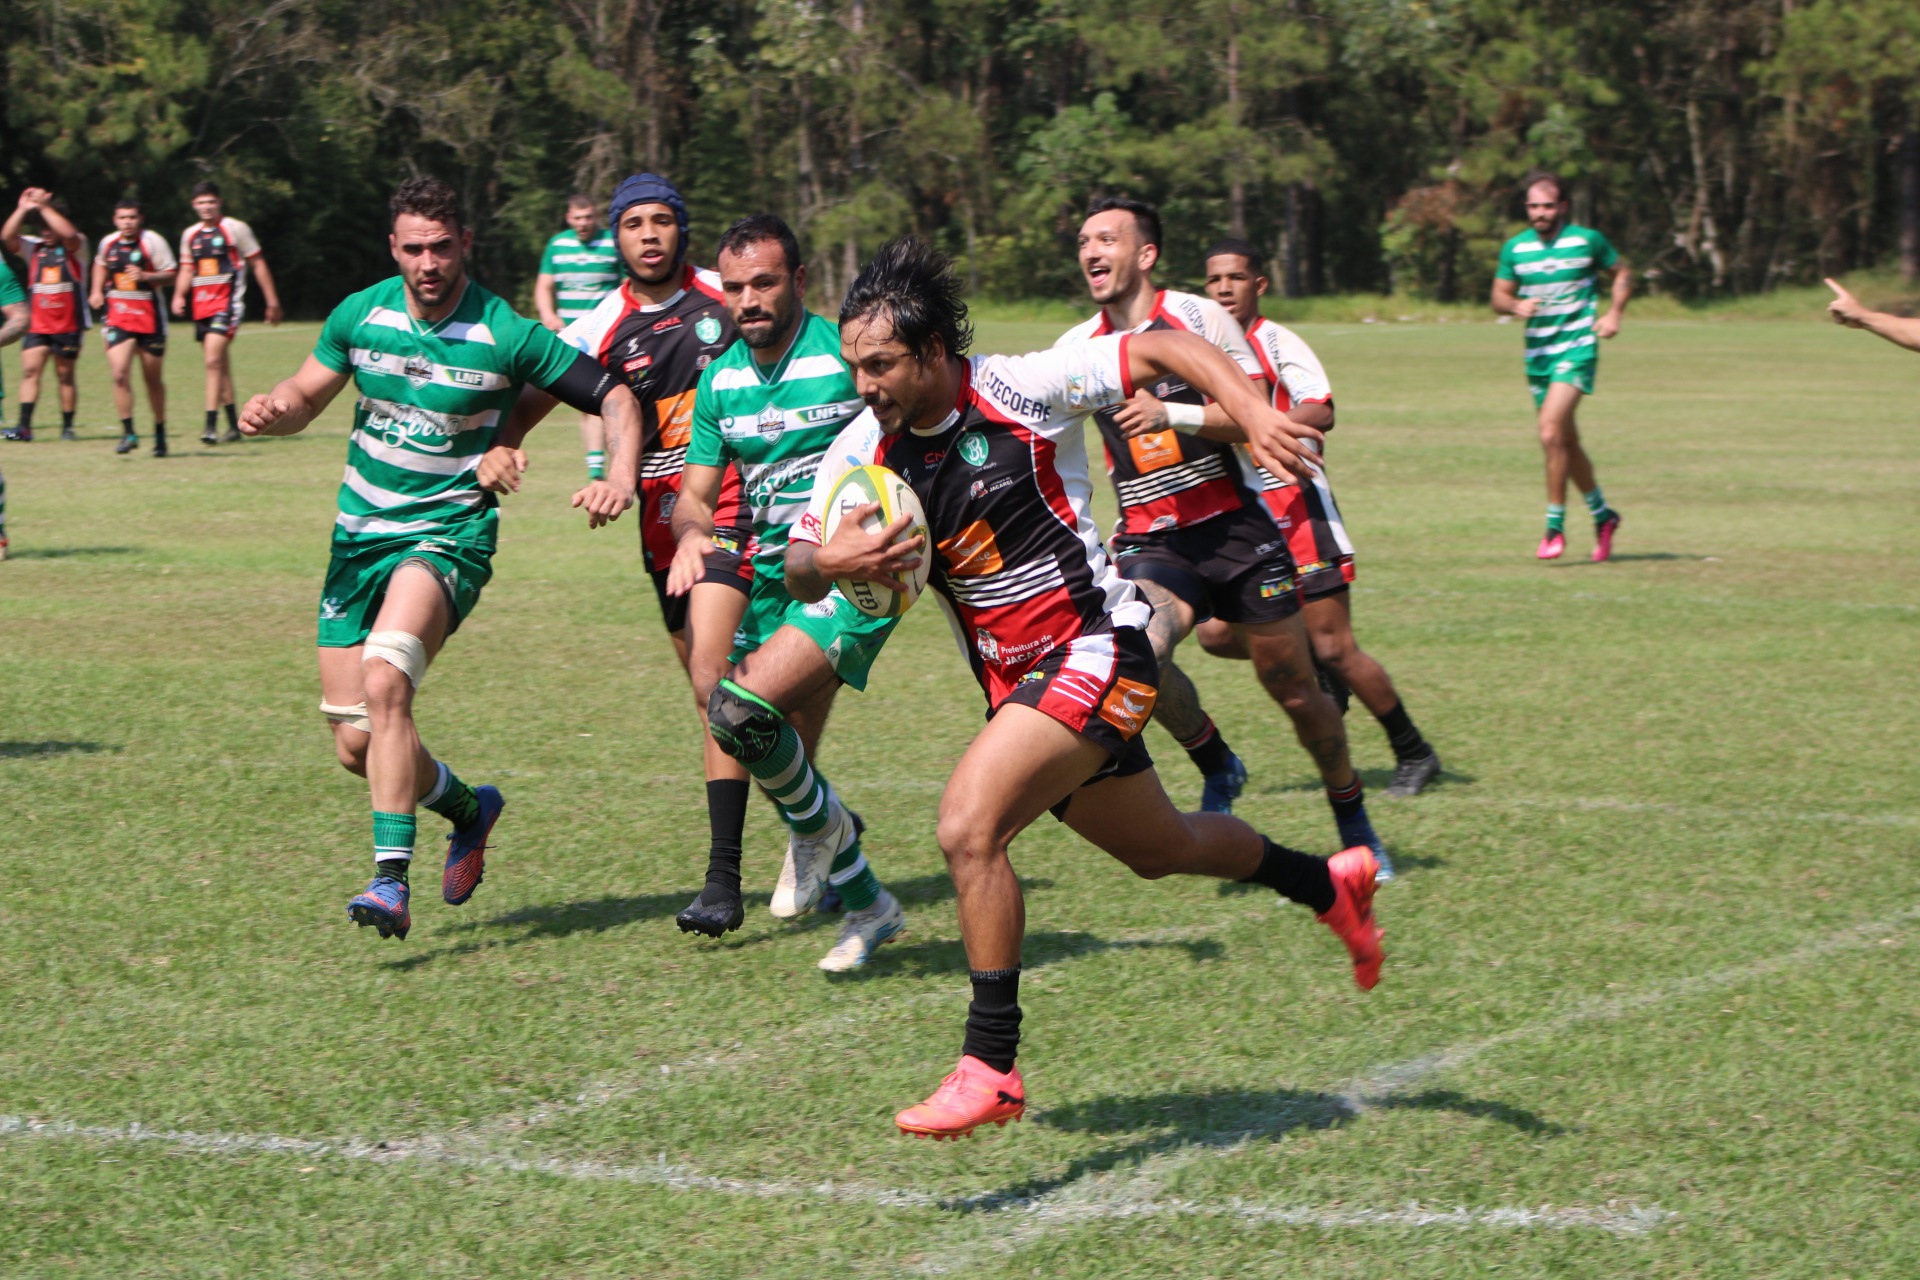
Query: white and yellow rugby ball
873	483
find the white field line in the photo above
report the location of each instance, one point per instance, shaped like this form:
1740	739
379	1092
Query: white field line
1601	804
1087	1199
1629	1220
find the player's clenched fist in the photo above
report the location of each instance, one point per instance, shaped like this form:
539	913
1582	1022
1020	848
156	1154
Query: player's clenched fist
260	413
500	470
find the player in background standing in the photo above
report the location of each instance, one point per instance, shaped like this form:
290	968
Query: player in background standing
657	333
771	406
1548	276
1194	536
131	265
1308	515
13	323
57	304
994	449
1847	310
579	267
215	255
438	362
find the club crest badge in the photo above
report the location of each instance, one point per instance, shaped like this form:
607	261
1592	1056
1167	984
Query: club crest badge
973	448
707	329
771	422
418	370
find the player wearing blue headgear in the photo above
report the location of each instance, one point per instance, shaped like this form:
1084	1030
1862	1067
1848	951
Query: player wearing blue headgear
656	332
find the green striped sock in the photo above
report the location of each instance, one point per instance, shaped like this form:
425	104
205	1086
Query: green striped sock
1597	503
451	798
798	790
1556	518
392	836
854	879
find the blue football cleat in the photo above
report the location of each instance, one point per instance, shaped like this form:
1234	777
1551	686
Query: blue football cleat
467	849
1223	788
383	904
1357	830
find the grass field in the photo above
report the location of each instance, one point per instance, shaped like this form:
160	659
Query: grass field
1651	1002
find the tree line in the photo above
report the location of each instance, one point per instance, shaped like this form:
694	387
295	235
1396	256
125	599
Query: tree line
1727	146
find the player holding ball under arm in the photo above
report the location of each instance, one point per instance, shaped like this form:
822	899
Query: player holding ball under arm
994	449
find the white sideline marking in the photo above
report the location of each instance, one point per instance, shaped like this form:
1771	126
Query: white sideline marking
1584	803
1630	1220
1382	1082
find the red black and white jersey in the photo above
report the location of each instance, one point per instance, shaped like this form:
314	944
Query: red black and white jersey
1315	531
56	300
219	254
1169	479
134	307
1003	479
659	350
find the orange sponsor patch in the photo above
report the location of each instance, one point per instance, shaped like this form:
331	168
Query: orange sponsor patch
676	419
126	281
50	275
972	552
1129	705
1151	452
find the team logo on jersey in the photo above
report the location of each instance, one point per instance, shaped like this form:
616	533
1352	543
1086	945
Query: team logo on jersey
332	610
707	329
989	647
639	365
702	361
973	448
1162	523
1276	587
1034	676
418	370
972	552
667	501
671	322
772	421
1127	707
978	489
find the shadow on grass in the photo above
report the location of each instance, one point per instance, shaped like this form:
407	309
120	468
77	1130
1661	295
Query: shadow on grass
50	747
69	553
1217	1118
949	956
1377	781
1620	556
562	919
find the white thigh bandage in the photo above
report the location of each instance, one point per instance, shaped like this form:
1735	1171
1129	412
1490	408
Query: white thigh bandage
354	717
400	648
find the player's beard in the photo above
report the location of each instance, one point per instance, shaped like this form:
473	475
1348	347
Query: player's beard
773	335
449	286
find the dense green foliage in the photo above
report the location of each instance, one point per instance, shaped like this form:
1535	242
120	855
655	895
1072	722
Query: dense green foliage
1728	145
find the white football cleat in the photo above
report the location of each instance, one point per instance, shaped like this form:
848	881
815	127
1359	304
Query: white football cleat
803	876
864	932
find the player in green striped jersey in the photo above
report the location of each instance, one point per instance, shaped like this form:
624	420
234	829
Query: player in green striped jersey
579	267
1548	276
772	404
438	361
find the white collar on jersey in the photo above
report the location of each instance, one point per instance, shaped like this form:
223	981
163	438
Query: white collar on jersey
953	416
647	308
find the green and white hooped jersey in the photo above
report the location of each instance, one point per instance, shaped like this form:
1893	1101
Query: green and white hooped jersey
583	272
431	400
1563	277
776	424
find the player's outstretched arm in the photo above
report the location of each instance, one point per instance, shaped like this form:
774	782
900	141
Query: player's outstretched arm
604	500
502	465
1848	310
10	229
853	553
1276	441
289	407
58	225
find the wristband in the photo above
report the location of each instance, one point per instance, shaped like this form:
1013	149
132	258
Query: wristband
1186	418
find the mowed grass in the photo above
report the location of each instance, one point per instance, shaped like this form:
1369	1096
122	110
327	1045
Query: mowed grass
1651	997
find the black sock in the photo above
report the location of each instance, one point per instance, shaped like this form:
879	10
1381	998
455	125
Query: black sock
213	421
233	418
26	414
126	426
1349	801
66	420
993	1019
159	433
1401	735
1209	752
1296	876
727	818
159	427
393	868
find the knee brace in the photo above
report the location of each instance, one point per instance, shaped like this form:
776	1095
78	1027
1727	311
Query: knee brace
404	650
354	717
744	726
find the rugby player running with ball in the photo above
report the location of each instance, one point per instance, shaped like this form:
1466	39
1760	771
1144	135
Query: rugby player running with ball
438	361
1055	637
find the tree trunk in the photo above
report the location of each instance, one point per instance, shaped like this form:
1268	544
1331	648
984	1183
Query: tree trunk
1237	164
1291	250
1909	188
1702	231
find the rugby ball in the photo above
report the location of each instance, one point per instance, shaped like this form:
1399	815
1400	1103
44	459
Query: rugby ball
873	483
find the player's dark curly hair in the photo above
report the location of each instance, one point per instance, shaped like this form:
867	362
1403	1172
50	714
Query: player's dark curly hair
914	283
757	228
1235	247
1145	216
1539	176
204	187
427	198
